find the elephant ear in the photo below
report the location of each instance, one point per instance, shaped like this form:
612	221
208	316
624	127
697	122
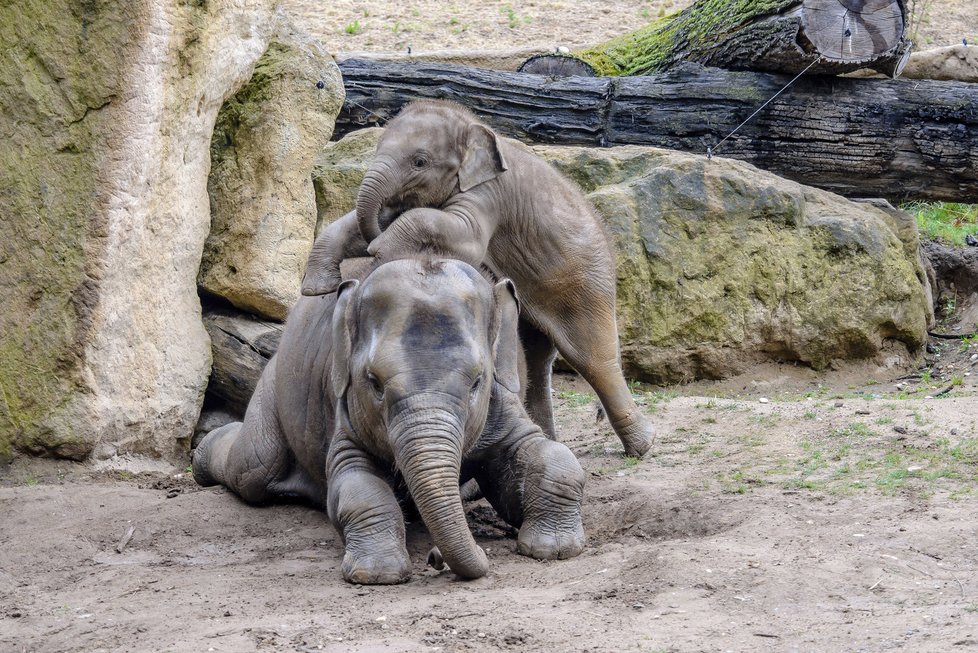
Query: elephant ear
506	339
483	160
340	371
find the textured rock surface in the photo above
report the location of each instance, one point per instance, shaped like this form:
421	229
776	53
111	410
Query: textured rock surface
721	265
107	113
262	201
952	63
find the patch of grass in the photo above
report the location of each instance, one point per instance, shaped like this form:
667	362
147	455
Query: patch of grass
810	414
854	430
947	222
354	28
735	483
632	461
512	17
766	420
653	399
577	398
883	420
31	480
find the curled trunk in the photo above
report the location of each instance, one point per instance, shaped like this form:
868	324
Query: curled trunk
375	191
428	453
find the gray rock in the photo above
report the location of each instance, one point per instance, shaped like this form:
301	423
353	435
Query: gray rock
263	205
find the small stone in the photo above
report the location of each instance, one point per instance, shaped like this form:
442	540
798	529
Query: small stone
763	400
638	606
839	404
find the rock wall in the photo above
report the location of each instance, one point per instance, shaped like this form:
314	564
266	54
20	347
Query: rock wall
107	116
263	207
722	265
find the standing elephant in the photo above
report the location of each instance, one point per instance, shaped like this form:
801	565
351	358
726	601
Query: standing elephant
412	373
500	206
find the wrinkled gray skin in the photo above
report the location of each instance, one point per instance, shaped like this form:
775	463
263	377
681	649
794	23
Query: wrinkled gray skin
501	206
412	373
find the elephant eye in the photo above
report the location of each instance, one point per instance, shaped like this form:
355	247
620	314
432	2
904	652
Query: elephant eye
476	384
375	384
419	161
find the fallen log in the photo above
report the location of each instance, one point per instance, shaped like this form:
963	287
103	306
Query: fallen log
858	137
785	36
241	346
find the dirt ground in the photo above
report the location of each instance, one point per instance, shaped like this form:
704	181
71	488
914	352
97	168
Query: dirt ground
781	510
832	516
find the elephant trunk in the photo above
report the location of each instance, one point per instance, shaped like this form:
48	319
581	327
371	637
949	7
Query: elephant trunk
428	452
376	189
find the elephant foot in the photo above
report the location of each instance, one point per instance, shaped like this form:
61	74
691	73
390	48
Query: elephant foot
545	542
377	568
321	282
203	460
637	434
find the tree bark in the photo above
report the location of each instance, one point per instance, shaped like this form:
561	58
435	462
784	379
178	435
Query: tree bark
858	137
786	36
241	346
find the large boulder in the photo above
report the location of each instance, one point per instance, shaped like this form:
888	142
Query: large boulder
106	115
263	207
722	265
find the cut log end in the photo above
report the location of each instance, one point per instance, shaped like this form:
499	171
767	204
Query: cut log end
853	30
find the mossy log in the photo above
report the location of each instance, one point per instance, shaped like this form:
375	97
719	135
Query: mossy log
241	346
786	36
858	137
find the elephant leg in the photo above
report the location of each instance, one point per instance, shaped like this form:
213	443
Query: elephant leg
362	506
338	241
252	459
537	486
540	355
586	335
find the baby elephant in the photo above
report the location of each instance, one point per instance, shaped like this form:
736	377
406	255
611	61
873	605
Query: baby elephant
442	180
411	374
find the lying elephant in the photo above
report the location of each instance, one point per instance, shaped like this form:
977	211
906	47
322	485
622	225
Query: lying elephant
412	373
503	207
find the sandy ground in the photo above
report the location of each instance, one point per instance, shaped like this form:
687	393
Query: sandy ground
830	517
358	25
840	514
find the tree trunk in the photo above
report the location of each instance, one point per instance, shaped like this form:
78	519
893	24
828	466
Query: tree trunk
858	137
786	36
241	346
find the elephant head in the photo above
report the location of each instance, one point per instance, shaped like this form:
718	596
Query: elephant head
418	348
428	154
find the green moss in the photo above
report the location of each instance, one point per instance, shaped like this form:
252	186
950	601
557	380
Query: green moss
654	47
